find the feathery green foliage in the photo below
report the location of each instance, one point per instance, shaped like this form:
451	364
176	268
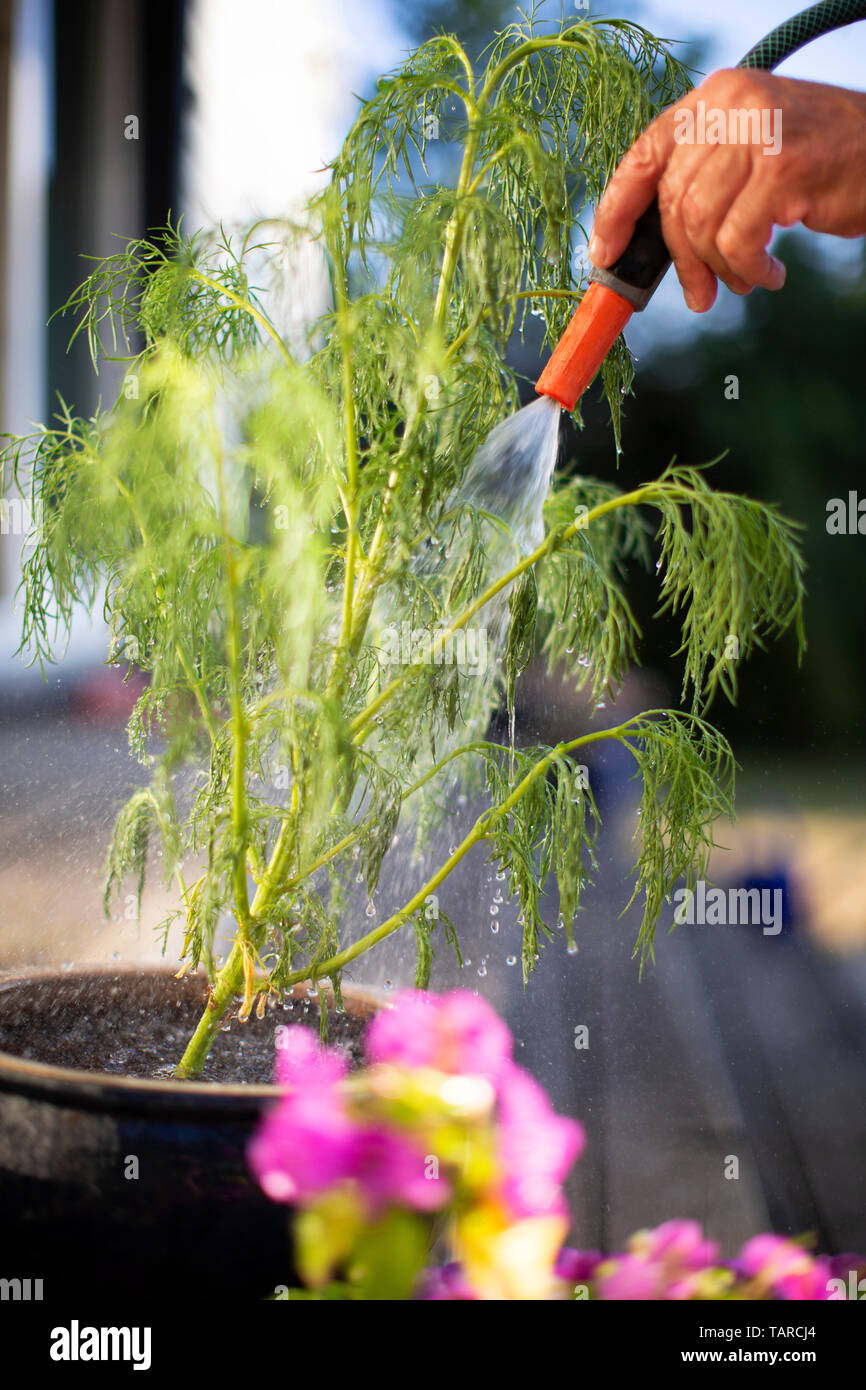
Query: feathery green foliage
264	512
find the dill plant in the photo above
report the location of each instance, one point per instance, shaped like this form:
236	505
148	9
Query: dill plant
254	510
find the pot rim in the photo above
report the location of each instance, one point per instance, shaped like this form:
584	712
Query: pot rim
101	1090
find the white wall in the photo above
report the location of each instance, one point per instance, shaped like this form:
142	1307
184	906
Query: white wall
273	84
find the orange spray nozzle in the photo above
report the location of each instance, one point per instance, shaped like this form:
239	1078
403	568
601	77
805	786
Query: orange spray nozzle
597	323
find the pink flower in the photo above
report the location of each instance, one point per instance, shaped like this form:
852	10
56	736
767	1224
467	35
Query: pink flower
303	1062
446	1284
307	1142
576	1266
676	1244
784	1267
536	1146
628	1277
393	1172
664	1263
456	1033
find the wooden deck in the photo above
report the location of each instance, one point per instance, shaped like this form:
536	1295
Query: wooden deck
734	1045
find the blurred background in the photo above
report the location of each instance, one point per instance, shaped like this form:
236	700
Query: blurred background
735	1044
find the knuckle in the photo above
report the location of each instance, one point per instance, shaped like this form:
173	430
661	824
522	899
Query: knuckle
729	243
793	169
669	195
738	85
695	208
642	157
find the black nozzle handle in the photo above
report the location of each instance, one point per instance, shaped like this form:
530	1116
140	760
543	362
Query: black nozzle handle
643	263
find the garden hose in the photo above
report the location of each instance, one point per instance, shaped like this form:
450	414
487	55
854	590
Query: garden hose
629	284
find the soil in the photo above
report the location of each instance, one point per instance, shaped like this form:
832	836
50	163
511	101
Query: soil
139	1024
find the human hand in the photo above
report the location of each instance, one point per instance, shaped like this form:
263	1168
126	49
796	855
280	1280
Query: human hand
720	202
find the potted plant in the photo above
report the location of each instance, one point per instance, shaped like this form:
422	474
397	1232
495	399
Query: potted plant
260	517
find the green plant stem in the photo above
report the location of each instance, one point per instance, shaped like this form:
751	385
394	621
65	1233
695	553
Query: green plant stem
227	986
478	833
456	343
231	976
350	503
250	308
354	835
443	635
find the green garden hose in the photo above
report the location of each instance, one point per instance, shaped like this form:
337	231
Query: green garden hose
803	28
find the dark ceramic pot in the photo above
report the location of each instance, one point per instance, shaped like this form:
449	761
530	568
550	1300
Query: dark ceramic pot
193	1222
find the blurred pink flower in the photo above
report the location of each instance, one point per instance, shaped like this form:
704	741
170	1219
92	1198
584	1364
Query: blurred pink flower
307	1142
629	1277
456	1033
391	1171
676	1244
303	1062
576	1266
664	1263
447	1283
536	1146
788	1270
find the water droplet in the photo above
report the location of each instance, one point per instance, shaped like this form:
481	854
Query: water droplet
370	909
494	910
389	984
602	704
482	970
571	950
494	927
500	876
510	960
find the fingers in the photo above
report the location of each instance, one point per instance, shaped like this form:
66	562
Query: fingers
716	199
630	191
694	208
676	206
744	236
